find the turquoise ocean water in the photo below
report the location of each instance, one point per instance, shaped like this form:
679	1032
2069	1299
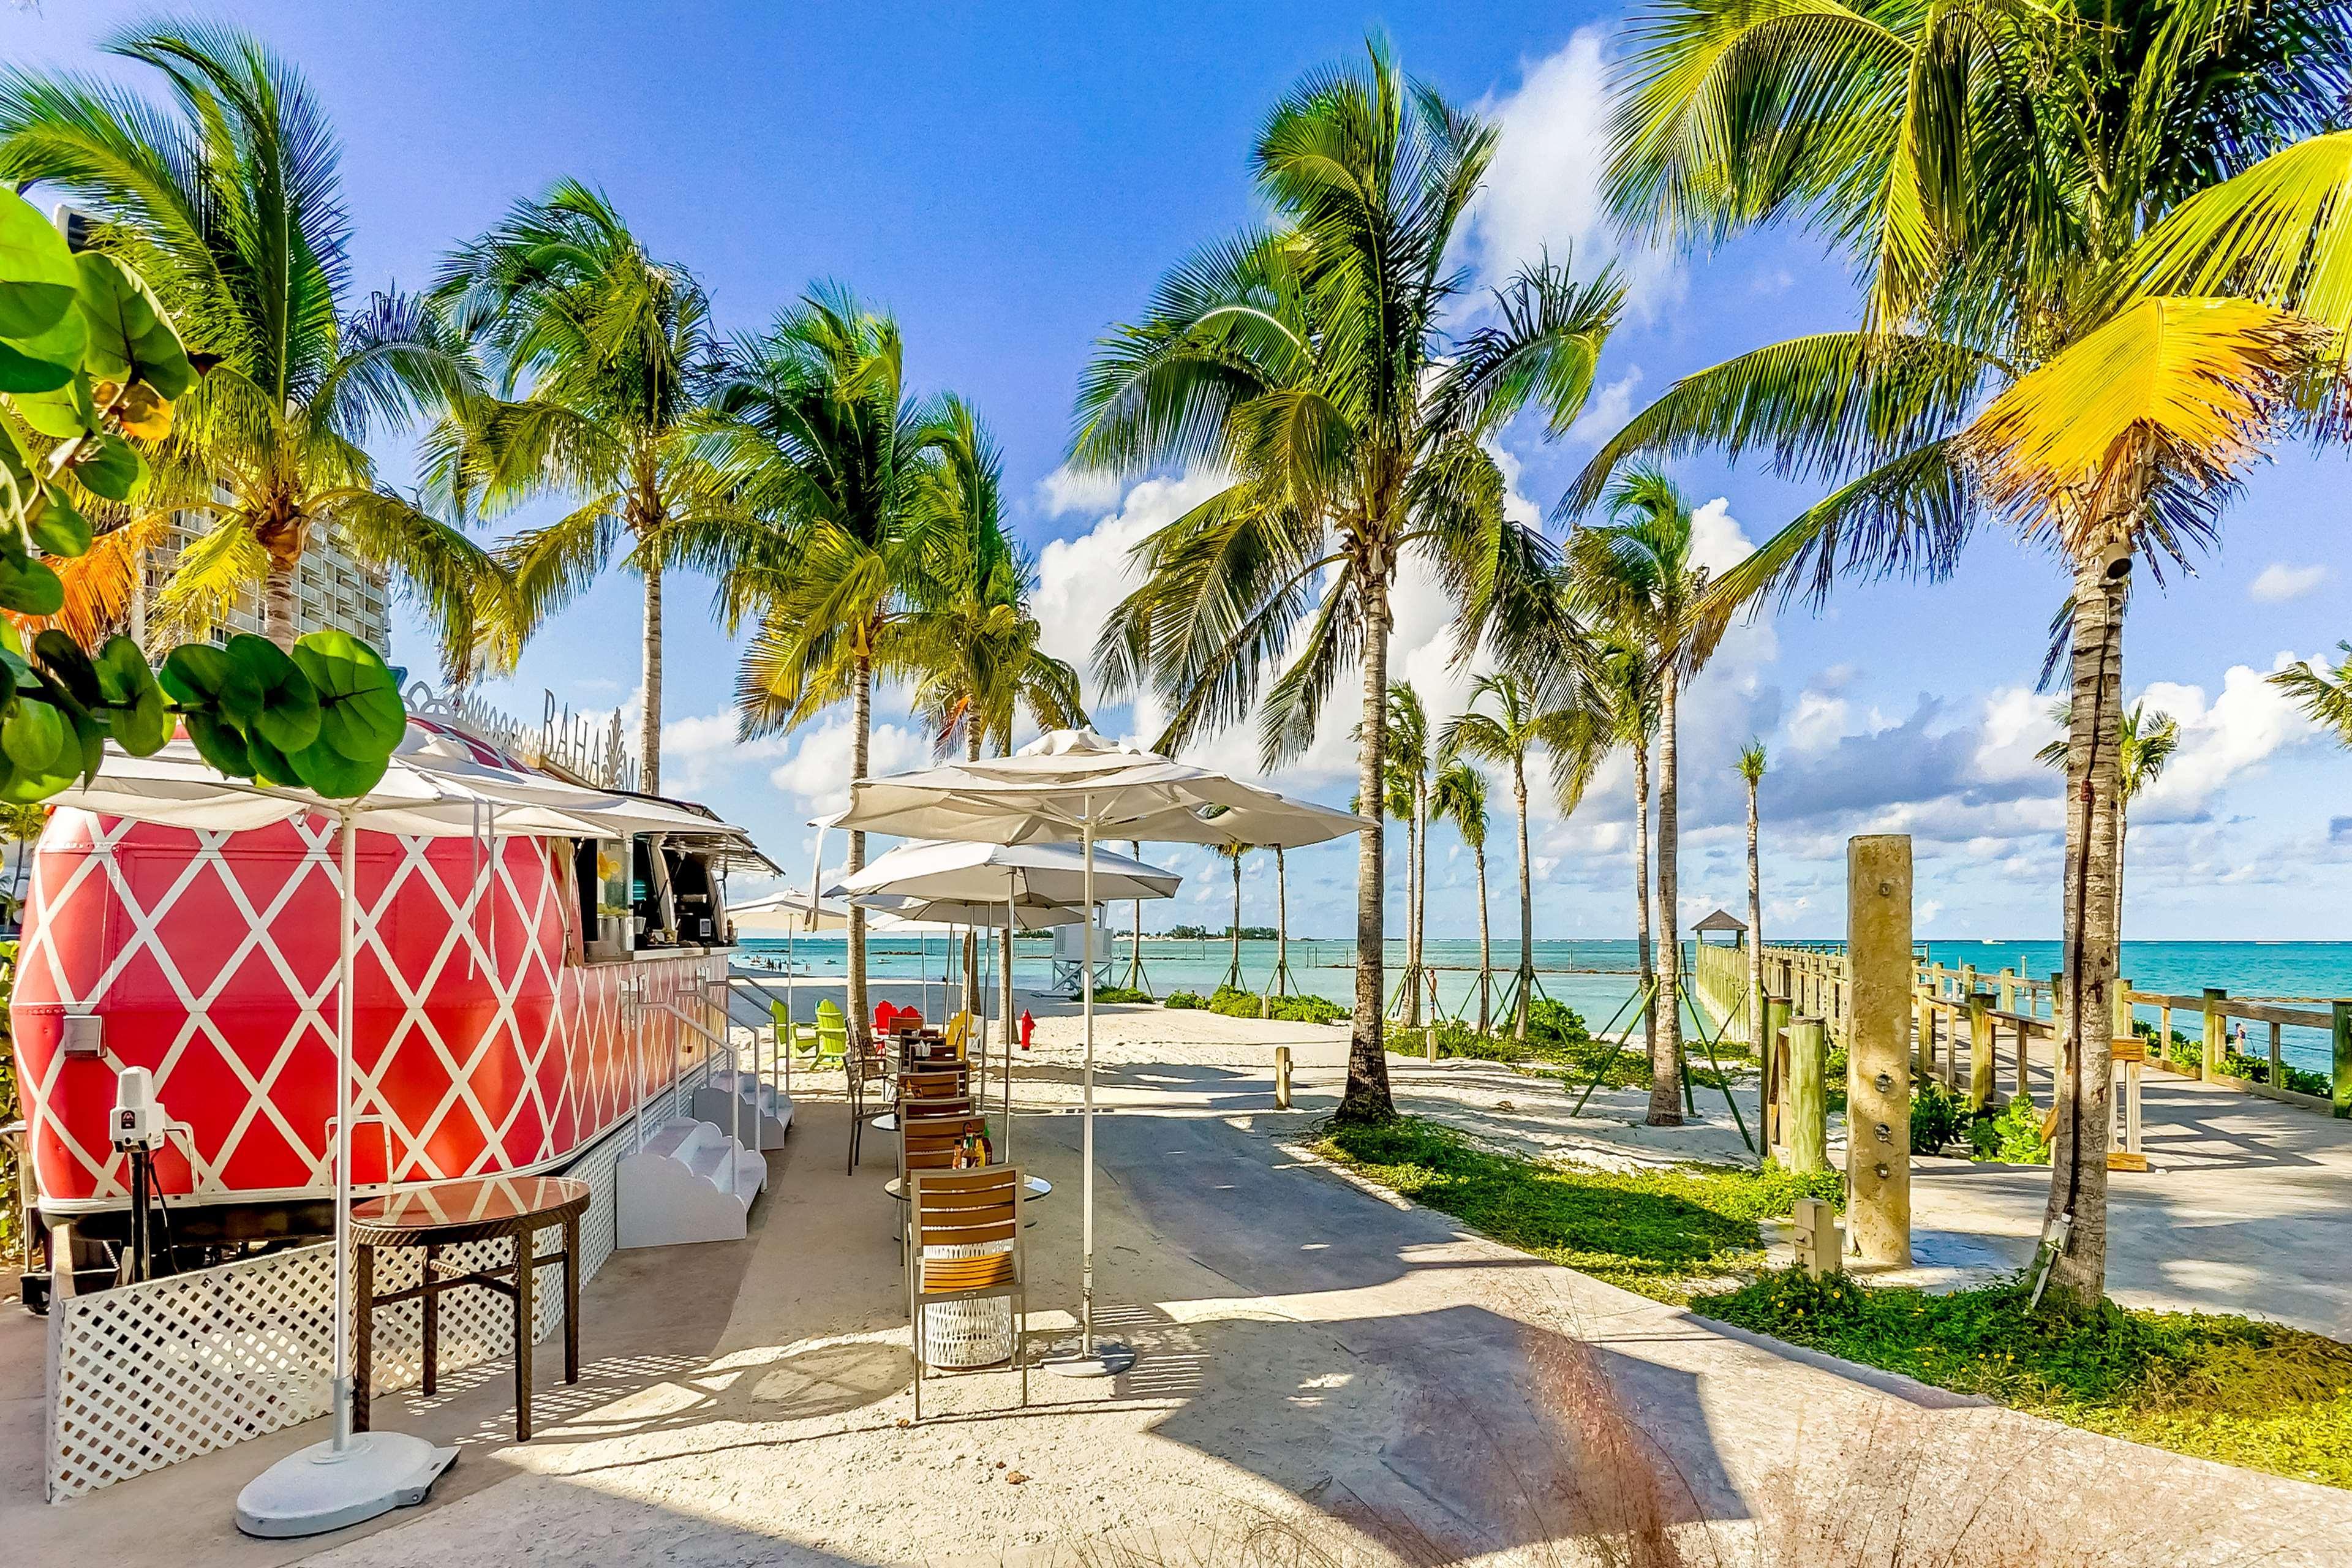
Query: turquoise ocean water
1595	977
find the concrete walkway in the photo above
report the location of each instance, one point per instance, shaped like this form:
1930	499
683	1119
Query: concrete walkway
1311	1353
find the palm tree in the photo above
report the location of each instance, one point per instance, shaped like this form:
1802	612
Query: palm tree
1408	766
2145	746
1519	724
1311	361
229	201
1232	854
969	630
2016	186
1634	575
1752	774
603	355
1459	797
1279	982
828	529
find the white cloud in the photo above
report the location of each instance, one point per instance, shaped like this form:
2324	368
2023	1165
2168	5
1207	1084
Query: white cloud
1819	721
2017	725
2220	742
816	774
2279	582
1543	188
1080	578
701	752
1066	491
1607	413
1718	542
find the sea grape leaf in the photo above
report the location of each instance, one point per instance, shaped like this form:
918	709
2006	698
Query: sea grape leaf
45	361
29	588
221	744
65	658
361	713
327	772
39	280
206	681
111	466
64	413
289	714
130	337
35	735
134	704
61	530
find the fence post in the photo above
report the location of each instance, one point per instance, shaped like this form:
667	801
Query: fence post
2216	1035
1983	1083
1770	1057
1282	1078
2341	1033
1922	1036
2126	1026
1878	1082
1805	1146
2009	990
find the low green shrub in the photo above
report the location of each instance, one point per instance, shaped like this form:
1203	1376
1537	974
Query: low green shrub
1659	1232
1303	1009
2257	1069
1937	1116
2011	1137
1122	994
2229	1388
1182	999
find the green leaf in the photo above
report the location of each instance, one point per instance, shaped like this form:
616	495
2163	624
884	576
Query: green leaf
65	412
361	714
271	765
111	467
61	530
325	770
221	744
65	658
35	736
29	588
134	704
206	681
130	337
289	717
38	282
45	361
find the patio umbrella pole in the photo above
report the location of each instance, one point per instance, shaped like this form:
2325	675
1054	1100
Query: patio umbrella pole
350	1476
1091	1360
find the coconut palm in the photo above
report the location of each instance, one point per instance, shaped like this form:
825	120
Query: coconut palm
1459	797
1232	854
2015	186
227	199
1635	577
1311	361
969	630
1519	724
602	354
2146	746
825	529
1752	774
1408	766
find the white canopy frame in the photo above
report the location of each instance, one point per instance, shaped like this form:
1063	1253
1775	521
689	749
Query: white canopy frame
1073	784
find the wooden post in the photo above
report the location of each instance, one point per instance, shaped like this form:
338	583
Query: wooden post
2216	1031
1806	1145
1775	1053
2341	1029
2009	990
1984	1084
1282	1078
1878	1072
2126	1027
2278	1075
1923	1037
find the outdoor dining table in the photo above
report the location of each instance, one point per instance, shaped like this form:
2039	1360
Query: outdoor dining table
447	1214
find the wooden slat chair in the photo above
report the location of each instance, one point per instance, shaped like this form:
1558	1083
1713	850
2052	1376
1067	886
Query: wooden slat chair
922	1091
861	1063
962	1209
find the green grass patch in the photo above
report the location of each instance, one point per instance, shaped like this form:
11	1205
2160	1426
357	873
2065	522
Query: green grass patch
1236	1002
2228	1388
1122	994
1660	1233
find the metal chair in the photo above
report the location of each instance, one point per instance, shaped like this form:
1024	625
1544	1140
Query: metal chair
962	1242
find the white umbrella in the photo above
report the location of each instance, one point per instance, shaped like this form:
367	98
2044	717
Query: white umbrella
1073	785
352	1477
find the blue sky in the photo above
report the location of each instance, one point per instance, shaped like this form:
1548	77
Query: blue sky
1010	180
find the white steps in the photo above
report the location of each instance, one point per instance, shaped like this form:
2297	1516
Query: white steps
690	1182
752	1109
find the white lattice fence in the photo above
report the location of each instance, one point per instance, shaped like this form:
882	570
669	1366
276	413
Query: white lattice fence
147	1375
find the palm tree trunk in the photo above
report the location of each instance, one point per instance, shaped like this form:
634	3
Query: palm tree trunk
1421	902
279	614
861	727
1233	970
1756	947
1670	949
1642	935
2078	1162
1412	997
1486	948
1135	951
649	725
1367	1098
1281	986
1526	899
972	938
